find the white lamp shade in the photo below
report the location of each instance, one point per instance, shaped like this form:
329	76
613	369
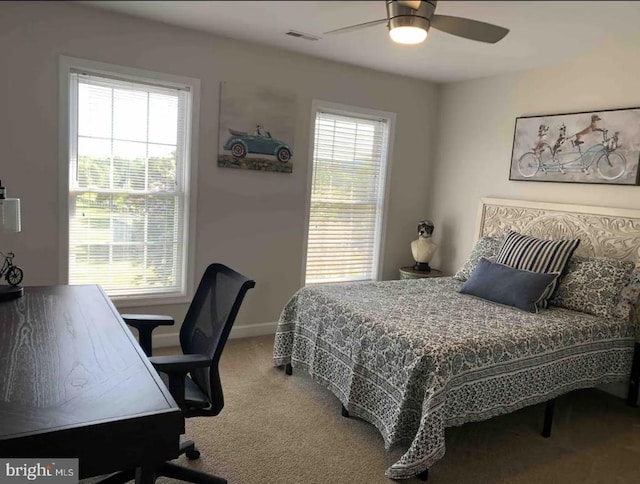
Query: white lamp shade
10	214
408	34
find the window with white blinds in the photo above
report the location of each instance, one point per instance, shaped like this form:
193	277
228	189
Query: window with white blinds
347	197
128	195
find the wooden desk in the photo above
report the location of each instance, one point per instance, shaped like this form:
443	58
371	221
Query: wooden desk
74	383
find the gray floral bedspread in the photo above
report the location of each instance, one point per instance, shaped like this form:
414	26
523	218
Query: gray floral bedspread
414	356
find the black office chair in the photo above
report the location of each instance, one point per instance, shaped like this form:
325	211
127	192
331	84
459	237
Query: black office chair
193	378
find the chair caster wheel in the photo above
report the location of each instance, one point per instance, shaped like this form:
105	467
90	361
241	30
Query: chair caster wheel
192	454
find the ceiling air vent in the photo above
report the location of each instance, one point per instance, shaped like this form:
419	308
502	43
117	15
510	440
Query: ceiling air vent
302	35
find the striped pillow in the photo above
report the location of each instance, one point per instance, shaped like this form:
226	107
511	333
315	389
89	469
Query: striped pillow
531	254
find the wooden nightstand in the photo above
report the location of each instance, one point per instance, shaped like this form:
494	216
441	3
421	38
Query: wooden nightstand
410	273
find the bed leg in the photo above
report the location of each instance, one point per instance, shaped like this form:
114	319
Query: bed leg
288	369
634	381
424	475
345	412
548	418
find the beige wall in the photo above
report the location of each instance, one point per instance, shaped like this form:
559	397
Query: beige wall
249	220
475	132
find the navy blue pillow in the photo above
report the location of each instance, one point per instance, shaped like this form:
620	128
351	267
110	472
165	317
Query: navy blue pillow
509	286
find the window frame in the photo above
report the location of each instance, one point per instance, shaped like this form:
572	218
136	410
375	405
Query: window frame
385	183
66	66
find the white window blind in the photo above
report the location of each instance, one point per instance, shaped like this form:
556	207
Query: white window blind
347	197
128	199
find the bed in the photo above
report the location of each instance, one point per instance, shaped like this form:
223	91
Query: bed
413	357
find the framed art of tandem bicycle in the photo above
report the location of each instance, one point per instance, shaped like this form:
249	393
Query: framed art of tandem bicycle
588	147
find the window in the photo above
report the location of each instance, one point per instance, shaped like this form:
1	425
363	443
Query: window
347	195
128	183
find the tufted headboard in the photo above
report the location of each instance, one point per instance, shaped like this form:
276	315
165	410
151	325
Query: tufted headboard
603	231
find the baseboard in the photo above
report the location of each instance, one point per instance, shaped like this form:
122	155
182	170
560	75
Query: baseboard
249	330
167	340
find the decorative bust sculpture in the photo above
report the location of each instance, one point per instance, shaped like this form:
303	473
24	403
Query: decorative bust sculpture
423	247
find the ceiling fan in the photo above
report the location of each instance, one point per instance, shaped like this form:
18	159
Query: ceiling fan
409	21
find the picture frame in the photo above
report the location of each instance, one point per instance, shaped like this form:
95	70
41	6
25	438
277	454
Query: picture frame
594	147
256	127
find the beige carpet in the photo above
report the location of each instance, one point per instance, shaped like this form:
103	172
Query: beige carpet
288	430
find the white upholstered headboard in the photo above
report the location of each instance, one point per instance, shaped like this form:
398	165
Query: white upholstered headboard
603	231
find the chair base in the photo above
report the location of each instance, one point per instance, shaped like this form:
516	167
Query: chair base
119	477
146	475
174	471
185	474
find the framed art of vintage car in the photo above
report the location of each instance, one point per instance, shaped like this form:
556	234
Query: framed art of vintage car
249	115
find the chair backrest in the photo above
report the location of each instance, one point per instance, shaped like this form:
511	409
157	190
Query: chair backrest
208	323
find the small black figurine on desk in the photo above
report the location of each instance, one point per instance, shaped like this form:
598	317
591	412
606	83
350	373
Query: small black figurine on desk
10	222
423	247
11	272
13	275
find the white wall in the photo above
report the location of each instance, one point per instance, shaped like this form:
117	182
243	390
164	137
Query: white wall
476	121
252	221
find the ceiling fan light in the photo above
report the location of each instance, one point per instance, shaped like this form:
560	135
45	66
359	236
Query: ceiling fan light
408	25
408	34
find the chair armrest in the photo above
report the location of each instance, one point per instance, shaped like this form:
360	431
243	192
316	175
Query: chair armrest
148	320
145	324
179	363
177	367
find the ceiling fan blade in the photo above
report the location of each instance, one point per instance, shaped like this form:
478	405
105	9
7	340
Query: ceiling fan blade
414	4
469	29
351	28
